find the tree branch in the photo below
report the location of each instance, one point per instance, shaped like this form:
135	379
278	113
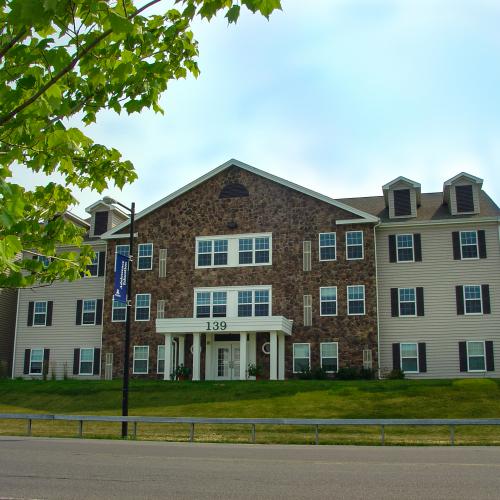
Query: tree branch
11	44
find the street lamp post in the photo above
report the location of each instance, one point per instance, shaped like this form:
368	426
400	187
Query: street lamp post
126	348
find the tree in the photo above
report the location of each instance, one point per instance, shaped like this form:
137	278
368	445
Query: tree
62	59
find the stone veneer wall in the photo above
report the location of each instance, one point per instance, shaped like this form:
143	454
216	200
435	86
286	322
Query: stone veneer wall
292	217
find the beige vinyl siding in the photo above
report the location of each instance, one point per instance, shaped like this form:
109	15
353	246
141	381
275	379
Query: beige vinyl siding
64	335
8	303
413	199
116	218
453	198
441	328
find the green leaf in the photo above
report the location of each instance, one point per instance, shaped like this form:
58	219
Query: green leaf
233	13
120	24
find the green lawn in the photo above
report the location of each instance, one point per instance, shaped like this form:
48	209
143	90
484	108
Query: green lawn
301	399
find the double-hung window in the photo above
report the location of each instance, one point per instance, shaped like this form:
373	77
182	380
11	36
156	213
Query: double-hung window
145	260
142	306
469	245
122	250
356	300
141	359
407	302
119	311
328	301
86	361
211	304
93	268
472	299
253	250
253	303
160	359
36	361
301	357
40	313
329	356
404	246
476	359
327	246
354	245
89	312
212	252
409	357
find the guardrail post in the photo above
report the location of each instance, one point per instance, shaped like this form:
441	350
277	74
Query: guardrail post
135	430
80	428
452	435
191	432
28	427
253	433
382	435
317	435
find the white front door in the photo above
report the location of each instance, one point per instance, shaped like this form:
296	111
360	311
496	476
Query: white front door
228	361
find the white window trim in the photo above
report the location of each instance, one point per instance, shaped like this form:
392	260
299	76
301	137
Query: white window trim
329	246
83	310
142	307
473	199
401	356
480	301
116	252
96	275
477	244
233	250
46	302
362	246
484	356
138	258
158	359
336	302
354	300
80	362
407	302
412	248
211	305
113	308
147	361
321	356
31	355
293	354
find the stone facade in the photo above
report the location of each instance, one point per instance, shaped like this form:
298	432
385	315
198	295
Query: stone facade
291	217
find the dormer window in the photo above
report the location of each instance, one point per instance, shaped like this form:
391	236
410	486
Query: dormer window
462	193
402	197
465	199
100	223
402	202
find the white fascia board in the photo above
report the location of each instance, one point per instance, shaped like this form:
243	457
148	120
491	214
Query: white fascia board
414	184
471	177
344	222
249	168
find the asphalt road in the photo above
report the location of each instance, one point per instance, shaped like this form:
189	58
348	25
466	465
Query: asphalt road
69	468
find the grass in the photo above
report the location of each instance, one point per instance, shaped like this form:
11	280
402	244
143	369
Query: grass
478	398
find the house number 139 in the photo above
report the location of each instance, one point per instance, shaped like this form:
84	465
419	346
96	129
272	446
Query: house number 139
216	325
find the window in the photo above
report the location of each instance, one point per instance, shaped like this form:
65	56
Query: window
307	310
253	303
212	252
160	359
354	245
141	359
301	358
469	245
160	309
409	358
465	199
404	244
329	356
355	300
44	260
253	250
402	202
306	256
87	361
407	302
36	361
100	223
328	301
476	357
89	312
119	311
93	268
472	299
145	261
142	306
122	250
327	246
40	314
211	304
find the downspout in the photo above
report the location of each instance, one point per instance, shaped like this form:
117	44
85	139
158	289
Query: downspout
15	333
376	293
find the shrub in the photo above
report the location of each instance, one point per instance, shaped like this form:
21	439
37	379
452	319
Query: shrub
348	373
319	374
305	374
367	373
396	374
255	370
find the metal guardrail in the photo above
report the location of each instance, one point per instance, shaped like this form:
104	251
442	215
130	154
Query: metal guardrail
253	422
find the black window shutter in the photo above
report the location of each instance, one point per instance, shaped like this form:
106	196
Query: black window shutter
417	242
485	293
422	357
50	307
459	291
27	355
78	312
31	307
465	198
481	238
102	263
46	357
100	223
490	360
420	301
392	248
98	312
456	245
402	202
462	353
394	303
97	361
76	361
396	360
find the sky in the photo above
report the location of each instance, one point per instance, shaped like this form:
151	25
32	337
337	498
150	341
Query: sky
340	96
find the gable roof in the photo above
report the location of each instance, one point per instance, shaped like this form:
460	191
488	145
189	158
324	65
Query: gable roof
413	184
470	177
301	189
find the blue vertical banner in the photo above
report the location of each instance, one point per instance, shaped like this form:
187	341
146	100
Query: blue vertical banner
121	275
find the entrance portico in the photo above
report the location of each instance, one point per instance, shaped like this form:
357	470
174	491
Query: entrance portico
229	345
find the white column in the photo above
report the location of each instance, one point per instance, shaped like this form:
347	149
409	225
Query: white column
196	356
243	356
168	357
180	358
281	356
209	342
273	357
